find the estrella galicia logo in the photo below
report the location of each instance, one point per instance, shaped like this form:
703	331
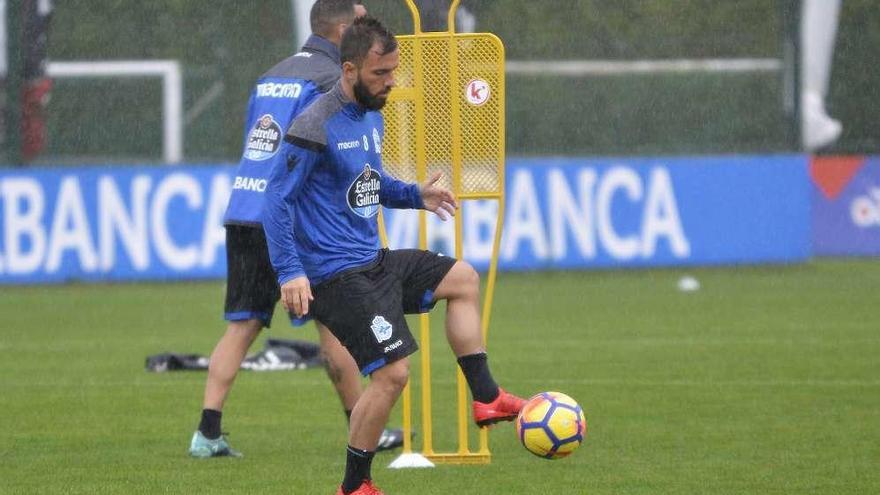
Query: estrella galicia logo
264	139
363	194
381	328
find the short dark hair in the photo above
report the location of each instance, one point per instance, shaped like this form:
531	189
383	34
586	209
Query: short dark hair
327	14
360	37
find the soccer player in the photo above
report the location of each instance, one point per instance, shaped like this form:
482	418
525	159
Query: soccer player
252	290
323	196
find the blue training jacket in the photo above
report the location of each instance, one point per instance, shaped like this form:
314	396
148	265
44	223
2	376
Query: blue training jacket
279	95
325	190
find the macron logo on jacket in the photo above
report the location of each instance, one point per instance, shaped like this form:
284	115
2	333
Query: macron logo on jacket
281	94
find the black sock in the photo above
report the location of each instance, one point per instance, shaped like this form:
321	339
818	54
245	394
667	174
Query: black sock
476	370
210	424
357	468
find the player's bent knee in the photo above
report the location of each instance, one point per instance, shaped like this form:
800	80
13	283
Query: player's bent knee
461	282
467	277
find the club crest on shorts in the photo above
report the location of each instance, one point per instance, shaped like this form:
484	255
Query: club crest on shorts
264	139
381	328
363	193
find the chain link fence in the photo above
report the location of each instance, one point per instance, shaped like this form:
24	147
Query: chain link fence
222	46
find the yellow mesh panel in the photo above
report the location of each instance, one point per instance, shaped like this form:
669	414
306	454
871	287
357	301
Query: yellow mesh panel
430	124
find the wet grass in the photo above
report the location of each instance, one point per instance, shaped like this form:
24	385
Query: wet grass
766	380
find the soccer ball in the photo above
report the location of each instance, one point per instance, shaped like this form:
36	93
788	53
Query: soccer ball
551	425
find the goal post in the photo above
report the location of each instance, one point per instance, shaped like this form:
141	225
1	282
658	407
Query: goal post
172	91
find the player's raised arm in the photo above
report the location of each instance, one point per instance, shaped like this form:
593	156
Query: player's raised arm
438	199
429	196
396	193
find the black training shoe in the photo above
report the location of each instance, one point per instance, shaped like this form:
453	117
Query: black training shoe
391	438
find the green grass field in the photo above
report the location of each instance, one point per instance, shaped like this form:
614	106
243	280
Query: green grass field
766	381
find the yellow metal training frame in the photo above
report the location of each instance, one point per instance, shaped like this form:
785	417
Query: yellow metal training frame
447	114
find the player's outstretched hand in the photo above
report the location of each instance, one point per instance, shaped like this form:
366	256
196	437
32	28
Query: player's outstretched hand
296	295
438	199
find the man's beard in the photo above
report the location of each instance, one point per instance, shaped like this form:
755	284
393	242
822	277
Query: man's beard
367	100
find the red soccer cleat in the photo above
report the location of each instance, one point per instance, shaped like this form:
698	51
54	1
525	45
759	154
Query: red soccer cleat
505	407
366	488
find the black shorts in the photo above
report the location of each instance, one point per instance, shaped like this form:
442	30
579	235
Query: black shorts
251	283
364	307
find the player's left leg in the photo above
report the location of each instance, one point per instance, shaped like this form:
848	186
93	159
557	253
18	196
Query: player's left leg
460	287
461	290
